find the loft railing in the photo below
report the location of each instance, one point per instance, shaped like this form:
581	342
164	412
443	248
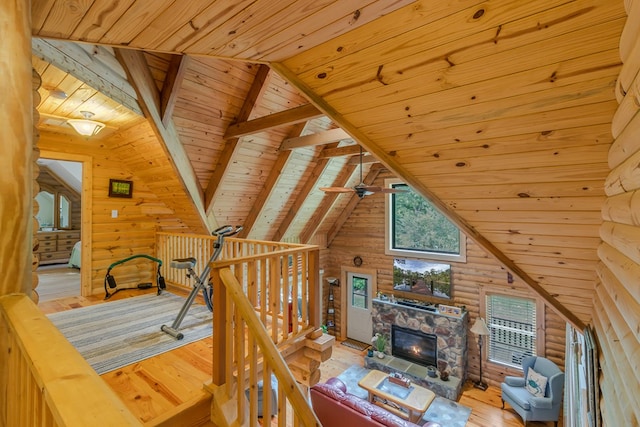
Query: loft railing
47	382
281	280
264	293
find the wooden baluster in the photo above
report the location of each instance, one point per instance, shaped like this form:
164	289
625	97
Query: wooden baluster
219	330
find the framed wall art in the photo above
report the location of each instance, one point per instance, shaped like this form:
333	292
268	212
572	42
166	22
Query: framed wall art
120	188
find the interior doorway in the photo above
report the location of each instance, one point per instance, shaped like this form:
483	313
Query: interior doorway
359	288
65	238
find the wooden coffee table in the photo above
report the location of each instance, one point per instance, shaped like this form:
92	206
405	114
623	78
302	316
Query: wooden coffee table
407	402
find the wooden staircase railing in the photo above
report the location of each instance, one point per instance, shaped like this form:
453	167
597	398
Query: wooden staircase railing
261	290
244	356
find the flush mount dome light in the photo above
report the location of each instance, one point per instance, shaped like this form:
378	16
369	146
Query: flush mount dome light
86	126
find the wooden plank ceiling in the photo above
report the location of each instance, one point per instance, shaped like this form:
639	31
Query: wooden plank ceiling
499	111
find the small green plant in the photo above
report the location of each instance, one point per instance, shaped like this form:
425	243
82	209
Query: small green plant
324	328
379	341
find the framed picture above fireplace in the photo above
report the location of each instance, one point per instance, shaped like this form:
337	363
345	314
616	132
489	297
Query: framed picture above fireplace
422	277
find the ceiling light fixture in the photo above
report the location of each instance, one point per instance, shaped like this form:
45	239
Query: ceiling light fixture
86	126
57	94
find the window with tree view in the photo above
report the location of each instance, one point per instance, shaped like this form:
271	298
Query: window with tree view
360	292
416	228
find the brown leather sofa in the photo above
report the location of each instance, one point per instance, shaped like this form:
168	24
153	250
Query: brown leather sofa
335	407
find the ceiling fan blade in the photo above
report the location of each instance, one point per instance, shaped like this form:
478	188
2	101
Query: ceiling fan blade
392	190
376	189
337	189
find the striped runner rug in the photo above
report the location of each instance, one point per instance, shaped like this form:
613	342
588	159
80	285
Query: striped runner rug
118	333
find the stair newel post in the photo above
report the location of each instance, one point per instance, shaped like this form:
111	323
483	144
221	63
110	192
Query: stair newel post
315	305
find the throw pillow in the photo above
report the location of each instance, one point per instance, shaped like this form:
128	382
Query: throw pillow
536	383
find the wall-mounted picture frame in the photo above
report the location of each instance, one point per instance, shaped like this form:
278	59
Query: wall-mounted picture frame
120	188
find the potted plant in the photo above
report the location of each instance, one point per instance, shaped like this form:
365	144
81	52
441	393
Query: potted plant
379	342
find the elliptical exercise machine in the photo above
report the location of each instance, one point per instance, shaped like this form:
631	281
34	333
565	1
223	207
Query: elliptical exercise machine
202	282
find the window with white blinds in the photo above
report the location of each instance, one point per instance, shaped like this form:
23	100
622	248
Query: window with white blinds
512	323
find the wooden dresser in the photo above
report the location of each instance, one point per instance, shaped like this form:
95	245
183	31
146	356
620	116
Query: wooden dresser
55	246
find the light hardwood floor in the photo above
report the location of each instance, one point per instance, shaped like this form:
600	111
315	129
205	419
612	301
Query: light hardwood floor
152	387
57	281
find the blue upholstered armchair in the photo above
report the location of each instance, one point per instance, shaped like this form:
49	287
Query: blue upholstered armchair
519	392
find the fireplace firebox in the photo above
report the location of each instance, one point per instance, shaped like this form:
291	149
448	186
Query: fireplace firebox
414	346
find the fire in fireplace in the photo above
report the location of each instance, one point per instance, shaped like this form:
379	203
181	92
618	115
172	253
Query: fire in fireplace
414	346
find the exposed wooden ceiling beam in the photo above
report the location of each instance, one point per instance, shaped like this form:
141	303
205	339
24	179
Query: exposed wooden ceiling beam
325	206
353	202
394	166
326	137
283	118
254	95
171	86
355	160
269	185
349	150
139	74
307	187
92	68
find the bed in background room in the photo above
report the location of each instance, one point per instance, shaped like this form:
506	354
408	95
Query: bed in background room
74	260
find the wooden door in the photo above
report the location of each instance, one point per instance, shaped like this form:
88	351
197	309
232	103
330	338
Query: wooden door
359	294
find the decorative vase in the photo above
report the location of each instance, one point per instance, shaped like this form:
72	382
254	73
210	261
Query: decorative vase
380	354
370	353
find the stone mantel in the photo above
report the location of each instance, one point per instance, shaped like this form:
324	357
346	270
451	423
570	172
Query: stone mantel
451	332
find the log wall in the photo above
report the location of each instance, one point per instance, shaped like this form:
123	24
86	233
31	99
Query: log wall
36	82
363	235
113	239
616	318
16	134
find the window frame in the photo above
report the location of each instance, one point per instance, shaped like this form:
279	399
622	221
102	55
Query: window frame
540	348
408	253
365	295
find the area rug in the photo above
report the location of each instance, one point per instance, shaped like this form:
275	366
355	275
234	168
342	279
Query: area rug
442	410
118	333
358	345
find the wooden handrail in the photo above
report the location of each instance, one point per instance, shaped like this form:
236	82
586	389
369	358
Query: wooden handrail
47	382
275	301
270	354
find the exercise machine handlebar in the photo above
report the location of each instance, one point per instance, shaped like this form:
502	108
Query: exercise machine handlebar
227	230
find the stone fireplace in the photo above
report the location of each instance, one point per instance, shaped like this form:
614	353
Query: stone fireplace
446	337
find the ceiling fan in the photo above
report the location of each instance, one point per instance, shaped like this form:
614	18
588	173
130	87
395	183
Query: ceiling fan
361	189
